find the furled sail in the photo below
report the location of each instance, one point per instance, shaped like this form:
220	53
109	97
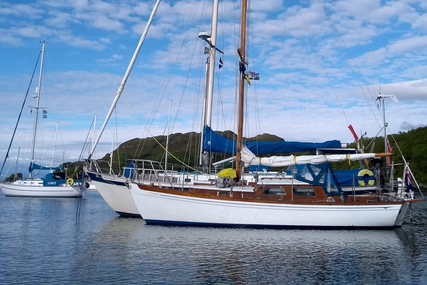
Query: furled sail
249	158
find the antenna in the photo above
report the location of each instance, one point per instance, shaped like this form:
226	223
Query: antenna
381	98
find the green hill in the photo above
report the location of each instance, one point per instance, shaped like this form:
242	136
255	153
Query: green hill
184	148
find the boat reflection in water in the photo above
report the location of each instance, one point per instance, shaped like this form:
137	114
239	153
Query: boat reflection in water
201	255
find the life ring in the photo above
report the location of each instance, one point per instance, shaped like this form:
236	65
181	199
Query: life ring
70	181
366	178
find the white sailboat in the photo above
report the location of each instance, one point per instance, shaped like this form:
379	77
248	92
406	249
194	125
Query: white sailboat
114	188
54	184
277	202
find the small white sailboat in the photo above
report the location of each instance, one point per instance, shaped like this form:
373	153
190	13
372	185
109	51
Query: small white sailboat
56	183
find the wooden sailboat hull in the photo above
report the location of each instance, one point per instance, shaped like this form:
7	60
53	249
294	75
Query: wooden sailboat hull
35	188
163	207
115	193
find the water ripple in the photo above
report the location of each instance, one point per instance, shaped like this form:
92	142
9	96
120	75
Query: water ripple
71	241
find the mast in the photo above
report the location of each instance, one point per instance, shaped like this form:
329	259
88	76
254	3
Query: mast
54	145
381	98
384	124
242	63
210	68
94	132
125	78
111	155
36	115
202	134
16	165
19	116
167	137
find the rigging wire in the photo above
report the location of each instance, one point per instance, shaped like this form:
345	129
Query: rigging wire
364	94
155	111
360	86
86	143
171	154
20	113
253	87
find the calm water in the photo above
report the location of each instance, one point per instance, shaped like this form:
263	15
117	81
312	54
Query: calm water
82	241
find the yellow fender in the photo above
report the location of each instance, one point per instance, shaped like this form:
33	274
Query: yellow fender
366	178
70	181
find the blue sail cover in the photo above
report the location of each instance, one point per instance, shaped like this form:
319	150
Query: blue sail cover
35	166
213	142
351	177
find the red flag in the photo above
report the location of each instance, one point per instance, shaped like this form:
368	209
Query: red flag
350	127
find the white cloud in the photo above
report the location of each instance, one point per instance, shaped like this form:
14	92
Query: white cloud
114	58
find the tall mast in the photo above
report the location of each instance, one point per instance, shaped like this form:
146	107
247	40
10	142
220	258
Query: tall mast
202	134
242	53
36	115
93	132
381	98
384	126
125	78
167	137
54	145
210	68
19	116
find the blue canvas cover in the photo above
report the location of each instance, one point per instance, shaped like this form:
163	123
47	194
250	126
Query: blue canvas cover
258	168
351	177
129	170
54	179
35	166
317	174
213	142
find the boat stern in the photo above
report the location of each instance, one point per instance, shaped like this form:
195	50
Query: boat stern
406	206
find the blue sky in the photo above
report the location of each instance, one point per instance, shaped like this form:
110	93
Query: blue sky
321	67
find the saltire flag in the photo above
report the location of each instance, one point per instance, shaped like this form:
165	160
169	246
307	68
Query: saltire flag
221	64
253	75
355	136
